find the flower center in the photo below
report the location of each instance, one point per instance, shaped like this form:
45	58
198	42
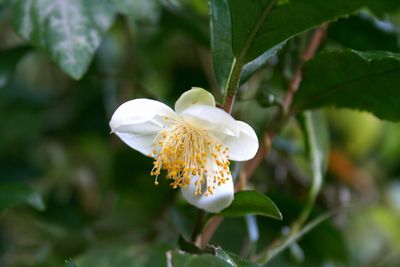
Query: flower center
185	153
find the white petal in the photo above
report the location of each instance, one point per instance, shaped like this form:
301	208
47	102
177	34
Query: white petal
244	146
222	197
141	143
210	118
195	96
139	110
137	122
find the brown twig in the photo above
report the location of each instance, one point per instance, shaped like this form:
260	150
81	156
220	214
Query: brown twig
263	149
318	36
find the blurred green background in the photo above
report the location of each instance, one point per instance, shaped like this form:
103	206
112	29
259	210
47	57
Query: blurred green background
78	192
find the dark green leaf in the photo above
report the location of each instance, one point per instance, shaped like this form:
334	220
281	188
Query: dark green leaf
70	263
250	68
221	46
9	58
221	41
252	202
68	30
260	25
363	33
12	194
351	79
190	247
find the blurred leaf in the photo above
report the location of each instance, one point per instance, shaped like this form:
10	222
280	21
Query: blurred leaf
363	33
68	31
317	137
388	224
335	246
252	202
69	263
360	131
317	145
9	58
258	26
12	194
148	10
113	256
272	251
358	80
186	21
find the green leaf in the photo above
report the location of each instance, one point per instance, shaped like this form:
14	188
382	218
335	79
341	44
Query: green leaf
70	263
254	31
250	68
221	41
9	58
181	259
252	202
221	47
233	259
12	194
260	25
69	31
359	80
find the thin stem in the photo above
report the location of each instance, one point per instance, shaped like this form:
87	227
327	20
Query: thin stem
199	224
316	166
229	101
210	229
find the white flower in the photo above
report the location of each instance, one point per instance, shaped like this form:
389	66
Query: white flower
193	144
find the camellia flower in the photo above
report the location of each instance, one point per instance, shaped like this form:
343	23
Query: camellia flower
193	144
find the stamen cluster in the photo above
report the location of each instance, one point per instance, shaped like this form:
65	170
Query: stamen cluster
186	152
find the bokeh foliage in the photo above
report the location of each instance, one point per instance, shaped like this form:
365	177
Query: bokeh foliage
70	190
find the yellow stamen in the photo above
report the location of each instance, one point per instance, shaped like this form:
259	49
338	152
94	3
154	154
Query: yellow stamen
185	153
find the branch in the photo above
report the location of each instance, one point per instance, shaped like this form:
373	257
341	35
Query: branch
309	53
264	147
